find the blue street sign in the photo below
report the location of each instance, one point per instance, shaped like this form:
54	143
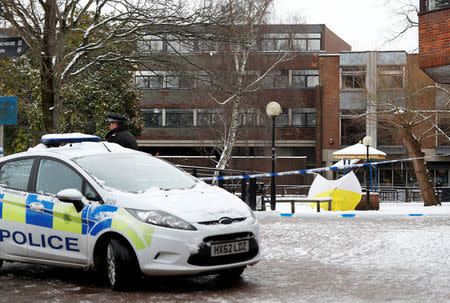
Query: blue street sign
8	110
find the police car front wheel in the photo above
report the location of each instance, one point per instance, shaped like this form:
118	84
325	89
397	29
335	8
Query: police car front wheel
119	265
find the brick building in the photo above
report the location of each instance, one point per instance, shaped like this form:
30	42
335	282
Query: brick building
321	88
434	39
181	119
360	87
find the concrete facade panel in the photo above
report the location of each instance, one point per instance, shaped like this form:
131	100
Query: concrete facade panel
353	100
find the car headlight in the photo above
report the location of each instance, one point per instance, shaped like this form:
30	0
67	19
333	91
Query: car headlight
251	217
160	218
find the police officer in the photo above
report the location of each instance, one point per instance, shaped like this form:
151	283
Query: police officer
119	132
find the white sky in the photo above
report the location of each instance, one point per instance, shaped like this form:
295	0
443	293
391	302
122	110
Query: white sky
364	24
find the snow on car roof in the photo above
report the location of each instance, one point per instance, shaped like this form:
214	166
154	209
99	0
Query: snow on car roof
77	145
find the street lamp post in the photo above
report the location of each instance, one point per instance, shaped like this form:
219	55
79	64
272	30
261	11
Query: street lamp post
273	109
368	141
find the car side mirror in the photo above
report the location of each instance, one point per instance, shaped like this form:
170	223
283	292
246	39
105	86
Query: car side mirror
71	195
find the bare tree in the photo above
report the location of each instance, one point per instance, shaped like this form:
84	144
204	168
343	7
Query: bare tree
416	117
406	11
233	86
105	31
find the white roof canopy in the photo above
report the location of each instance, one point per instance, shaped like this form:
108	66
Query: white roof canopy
359	151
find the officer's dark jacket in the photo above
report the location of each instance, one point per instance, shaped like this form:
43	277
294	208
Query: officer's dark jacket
121	135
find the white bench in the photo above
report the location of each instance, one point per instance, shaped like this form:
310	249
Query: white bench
293	200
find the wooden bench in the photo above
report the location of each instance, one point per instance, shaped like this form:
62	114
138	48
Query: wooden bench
293	200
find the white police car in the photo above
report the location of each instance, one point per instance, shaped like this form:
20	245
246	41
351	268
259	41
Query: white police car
96	205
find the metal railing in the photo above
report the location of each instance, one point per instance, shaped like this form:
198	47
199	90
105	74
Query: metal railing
254	191
410	194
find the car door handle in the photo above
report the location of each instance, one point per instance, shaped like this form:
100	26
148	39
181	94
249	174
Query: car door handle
36	206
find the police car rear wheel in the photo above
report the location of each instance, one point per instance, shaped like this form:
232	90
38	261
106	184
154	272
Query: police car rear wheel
120	268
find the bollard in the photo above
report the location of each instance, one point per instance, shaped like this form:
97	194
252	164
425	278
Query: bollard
244	190
252	193
221	182
263	203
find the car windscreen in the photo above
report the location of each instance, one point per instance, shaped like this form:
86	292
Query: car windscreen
134	172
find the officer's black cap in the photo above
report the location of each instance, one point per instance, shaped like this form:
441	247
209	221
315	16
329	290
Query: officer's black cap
116	118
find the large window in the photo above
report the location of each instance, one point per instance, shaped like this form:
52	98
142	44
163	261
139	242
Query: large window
149	80
176	45
396	176
353	77
282	120
441	177
179	117
275	42
305	78
352	129
208	117
163	80
151	44
386	177
303	42
15	174
436	4
303	119
208	44
152	117
276	79
174	80
390	76
388	136
248	117
269	42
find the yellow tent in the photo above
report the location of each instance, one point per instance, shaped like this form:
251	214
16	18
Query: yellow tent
345	192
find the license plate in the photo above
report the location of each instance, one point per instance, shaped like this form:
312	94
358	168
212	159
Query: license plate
229	248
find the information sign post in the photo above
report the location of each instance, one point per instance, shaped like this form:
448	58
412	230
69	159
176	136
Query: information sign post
8	113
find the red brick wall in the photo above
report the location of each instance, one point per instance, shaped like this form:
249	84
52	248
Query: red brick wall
329	77
434	38
333	43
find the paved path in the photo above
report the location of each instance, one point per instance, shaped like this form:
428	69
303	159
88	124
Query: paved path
306	259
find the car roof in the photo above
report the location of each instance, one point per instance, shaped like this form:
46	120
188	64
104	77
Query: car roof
72	150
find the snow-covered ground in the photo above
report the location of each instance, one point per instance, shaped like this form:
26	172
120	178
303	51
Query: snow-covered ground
375	256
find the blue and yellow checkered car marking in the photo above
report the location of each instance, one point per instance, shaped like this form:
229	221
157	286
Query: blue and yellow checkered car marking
62	216
133	228
13	208
43	219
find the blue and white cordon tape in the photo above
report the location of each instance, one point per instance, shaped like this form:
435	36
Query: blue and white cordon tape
312	170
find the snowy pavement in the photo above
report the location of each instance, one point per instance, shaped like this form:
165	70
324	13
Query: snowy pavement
375	256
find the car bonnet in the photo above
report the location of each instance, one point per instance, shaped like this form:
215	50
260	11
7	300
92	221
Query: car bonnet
198	204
